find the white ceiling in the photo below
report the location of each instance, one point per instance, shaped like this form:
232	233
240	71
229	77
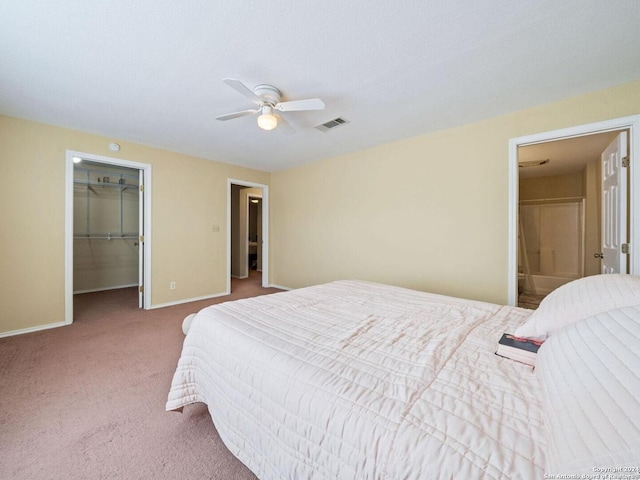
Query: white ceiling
566	156
150	71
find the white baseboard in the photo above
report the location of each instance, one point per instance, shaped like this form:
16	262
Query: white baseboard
187	300
206	297
239	278
32	329
161	305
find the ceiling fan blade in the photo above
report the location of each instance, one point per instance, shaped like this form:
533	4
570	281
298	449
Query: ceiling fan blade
241	88
284	126
298	105
230	116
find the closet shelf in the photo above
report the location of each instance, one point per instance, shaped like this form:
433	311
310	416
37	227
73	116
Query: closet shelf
118	174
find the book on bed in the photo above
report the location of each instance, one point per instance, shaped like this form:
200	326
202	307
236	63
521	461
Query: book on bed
517	348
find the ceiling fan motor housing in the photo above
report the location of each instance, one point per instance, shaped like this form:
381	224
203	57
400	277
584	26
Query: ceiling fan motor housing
268	93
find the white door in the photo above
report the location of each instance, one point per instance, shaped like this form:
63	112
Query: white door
614	206
141	239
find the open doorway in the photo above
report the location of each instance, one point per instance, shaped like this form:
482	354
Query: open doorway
588	260
107	225
559	213
248	227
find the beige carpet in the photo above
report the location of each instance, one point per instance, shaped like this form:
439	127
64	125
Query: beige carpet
86	401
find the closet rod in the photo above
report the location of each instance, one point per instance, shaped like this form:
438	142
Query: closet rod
107	237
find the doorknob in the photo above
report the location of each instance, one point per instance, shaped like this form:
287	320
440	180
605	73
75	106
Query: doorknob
598	255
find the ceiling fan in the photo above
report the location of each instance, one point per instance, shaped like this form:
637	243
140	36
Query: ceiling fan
267	98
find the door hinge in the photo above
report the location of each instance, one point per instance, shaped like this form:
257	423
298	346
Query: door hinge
141	289
625	248
141	238
142	188
625	161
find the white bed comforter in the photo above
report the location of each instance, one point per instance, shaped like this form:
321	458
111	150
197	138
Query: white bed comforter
360	380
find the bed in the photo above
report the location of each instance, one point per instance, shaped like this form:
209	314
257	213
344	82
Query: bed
354	379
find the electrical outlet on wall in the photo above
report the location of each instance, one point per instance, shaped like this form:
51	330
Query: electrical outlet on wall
172	285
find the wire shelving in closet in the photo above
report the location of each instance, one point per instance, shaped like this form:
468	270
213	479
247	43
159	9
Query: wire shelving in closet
100	183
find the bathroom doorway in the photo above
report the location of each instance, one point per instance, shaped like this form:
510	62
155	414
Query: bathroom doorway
248	227
558	214
555	206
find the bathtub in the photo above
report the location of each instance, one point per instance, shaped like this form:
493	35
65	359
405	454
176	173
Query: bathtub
544	284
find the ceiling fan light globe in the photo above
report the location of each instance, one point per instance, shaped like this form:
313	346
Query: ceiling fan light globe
267	122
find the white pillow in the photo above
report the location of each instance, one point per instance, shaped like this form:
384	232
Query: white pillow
589	375
580	299
186	323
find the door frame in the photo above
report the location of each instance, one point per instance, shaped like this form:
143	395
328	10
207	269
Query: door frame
265	229
68	221
631	123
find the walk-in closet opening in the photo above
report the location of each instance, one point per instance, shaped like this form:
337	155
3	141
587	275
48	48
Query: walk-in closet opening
610	192
107	232
106	236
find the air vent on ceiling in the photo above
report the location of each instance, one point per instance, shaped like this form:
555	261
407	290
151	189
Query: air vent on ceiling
533	163
331	124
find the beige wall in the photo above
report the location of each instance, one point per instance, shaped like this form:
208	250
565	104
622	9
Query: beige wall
556	186
188	198
429	212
